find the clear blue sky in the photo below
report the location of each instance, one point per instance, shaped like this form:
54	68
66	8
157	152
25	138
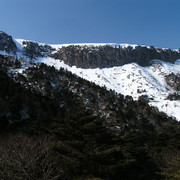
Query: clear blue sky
149	22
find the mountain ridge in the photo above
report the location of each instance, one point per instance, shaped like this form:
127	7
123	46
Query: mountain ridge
63	122
151	78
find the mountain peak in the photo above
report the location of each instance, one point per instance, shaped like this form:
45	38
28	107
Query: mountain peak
6	43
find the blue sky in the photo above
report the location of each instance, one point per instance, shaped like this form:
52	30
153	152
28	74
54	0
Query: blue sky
149	22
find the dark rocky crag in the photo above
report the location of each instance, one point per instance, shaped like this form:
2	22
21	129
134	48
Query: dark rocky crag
173	80
33	50
91	56
7	44
108	56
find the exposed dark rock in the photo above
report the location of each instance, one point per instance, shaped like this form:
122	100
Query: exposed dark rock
92	56
173	97
6	43
108	56
173	81
33	50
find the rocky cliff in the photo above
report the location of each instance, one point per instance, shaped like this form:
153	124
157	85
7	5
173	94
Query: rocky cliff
109	56
91	56
6	43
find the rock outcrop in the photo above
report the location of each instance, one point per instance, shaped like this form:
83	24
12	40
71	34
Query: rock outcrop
33	50
7	44
109	56
173	81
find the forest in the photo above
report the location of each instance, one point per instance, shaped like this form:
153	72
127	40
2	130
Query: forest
55	125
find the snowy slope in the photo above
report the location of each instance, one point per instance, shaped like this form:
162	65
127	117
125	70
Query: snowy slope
134	80
130	79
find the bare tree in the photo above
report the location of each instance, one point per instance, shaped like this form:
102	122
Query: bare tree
27	158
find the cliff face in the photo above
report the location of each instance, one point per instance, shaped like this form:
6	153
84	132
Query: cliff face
108	56
33	50
6	43
90	56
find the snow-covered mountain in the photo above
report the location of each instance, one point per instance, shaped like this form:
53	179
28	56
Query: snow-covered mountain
155	76
133	80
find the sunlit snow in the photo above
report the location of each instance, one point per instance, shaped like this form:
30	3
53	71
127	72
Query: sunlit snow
130	79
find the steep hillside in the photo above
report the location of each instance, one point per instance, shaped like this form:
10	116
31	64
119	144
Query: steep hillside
64	127
126	69
134	80
89	56
63	122
68	90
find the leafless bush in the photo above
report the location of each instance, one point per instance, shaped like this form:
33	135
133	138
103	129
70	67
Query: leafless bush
27	158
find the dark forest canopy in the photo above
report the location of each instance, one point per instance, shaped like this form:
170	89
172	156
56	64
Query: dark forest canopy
55	125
